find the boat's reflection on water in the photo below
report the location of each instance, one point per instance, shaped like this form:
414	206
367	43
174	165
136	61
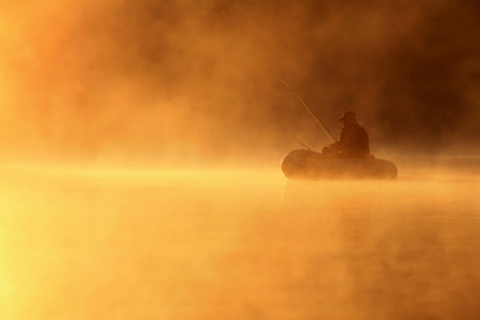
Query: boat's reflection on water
242	245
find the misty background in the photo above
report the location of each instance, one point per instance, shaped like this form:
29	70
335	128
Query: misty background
196	81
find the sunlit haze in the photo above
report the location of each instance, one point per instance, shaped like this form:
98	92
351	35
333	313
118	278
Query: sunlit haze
151	81
143	167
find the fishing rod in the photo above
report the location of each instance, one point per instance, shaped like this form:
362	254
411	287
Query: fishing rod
325	129
303	144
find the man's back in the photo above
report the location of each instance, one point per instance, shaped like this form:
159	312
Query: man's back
354	142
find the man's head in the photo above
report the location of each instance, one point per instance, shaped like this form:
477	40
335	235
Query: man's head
348	118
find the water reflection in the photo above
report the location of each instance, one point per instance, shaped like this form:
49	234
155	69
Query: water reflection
238	246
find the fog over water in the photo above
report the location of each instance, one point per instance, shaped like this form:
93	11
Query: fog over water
147	81
140	159
237	244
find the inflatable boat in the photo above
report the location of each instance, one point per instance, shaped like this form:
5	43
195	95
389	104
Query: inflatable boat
306	164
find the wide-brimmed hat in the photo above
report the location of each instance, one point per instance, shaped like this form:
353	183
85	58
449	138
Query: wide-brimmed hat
348	115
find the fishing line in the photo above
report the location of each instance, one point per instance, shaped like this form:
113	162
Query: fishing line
303	144
325	129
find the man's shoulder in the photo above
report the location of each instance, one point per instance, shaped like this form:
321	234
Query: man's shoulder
359	127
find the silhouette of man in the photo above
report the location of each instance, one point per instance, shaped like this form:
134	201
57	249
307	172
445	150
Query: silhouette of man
353	142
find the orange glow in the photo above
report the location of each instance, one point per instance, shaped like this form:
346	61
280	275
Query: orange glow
140	149
137	243
186	82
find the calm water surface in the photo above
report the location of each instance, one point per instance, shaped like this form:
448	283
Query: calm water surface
155	244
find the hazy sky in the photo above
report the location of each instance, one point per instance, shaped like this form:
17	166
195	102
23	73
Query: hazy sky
194	79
